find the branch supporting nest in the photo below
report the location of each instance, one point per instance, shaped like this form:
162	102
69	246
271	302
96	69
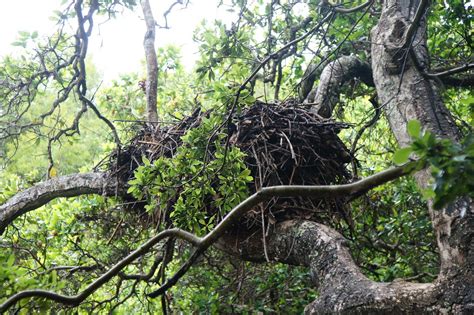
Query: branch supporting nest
64	186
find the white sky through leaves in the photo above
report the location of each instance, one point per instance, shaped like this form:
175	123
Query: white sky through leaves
116	46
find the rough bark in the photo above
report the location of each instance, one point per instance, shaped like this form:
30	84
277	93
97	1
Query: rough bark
406	94
64	186
342	287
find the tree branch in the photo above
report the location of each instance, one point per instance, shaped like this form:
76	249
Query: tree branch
202	244
267	193
451	71
342	10
64	186
91	288
333	77
340	283
414	25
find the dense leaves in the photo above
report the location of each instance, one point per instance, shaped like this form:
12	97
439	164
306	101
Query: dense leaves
452	164
68	243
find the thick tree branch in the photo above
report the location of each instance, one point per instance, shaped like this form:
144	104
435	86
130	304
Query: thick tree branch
341	285
333	77
202	244
64	186
267	193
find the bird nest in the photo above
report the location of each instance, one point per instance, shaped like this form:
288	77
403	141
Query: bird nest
284	143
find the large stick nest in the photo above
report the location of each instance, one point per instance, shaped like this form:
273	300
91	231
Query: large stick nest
284	143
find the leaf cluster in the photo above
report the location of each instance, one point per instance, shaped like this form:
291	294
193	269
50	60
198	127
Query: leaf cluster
197	186
451	163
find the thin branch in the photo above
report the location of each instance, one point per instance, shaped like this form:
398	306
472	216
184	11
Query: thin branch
451	71
167	12
342	10
202	244
412	29
115	270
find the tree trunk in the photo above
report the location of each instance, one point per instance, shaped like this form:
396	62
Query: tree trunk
151	62
404	93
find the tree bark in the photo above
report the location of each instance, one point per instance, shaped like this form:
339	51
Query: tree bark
404	93
341	285
64	186
326	96
151	63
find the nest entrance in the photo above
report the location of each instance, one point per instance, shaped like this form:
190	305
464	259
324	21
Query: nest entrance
284	143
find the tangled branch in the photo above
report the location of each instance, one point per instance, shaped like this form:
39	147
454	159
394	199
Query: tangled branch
202	244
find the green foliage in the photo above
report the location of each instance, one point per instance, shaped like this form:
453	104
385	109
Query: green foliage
223	285
199	189
452	164
393	237
450	36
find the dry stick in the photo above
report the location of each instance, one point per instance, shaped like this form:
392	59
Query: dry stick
242	87
259	67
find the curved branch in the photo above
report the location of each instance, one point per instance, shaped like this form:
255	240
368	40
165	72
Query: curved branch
447	78
333	77
267	193
202	244
341	285
115	270
64	186
342	10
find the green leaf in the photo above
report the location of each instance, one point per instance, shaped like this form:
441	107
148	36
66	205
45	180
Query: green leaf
401	156
146	161
414	128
